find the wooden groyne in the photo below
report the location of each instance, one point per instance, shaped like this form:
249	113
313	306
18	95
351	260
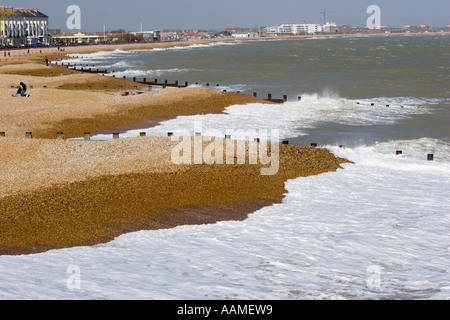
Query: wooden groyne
116	135
155	82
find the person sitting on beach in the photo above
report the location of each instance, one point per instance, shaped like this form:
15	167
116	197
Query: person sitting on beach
21	92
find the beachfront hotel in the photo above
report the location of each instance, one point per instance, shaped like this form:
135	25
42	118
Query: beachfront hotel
23	26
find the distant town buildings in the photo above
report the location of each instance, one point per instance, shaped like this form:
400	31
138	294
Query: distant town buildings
294	29
170	35
117	36
23	26
29	26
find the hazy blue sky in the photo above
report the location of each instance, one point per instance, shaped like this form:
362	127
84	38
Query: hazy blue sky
218	14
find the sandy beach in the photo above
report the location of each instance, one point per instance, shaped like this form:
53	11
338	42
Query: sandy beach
60	193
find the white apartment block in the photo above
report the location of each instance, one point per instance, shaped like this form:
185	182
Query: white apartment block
23	26
295	29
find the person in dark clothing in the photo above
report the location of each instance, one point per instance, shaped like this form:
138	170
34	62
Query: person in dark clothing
24	87
46	62
21	92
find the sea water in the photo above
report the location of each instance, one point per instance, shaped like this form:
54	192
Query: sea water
376	229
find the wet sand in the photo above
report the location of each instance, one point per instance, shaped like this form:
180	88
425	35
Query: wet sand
65	193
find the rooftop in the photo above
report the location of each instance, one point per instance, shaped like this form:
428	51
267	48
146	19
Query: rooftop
21	12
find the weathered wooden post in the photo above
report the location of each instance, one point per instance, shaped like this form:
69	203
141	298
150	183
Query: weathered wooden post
87	136
2	134
115	135
29	135
60	136
430	157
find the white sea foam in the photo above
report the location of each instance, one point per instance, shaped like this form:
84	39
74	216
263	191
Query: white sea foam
100	54
294	118
95	58
147	73
190	47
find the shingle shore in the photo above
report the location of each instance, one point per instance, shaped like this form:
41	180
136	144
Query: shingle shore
63	193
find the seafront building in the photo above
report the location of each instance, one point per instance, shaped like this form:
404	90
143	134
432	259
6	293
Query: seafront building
23	26
301	28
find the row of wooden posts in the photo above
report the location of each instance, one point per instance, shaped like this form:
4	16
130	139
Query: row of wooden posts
166	83
116	135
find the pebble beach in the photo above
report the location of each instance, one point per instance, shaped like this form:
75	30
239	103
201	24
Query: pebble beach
61	193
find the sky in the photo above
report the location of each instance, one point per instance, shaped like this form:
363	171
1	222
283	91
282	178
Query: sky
220	14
